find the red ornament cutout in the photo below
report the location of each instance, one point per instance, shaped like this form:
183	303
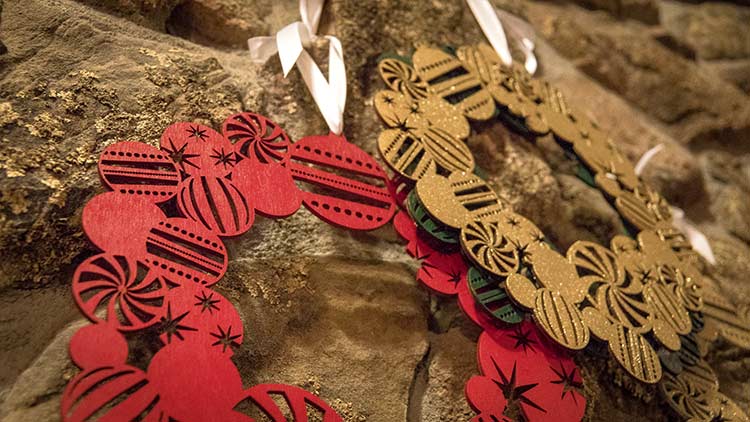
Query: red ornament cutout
131	296
195	383
257	138
98	345
440	272
203	317
182	250
119	224
135	168
485	399
113	393
198	150
518	366
270	186
298	400
399	188
344	201
217	204
474	311
406	228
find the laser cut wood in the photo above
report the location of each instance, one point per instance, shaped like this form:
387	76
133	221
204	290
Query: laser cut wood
132	298
217	204
182	250
135	168
269	186
257	138
119	224
519	367
158	261
198	150
359	200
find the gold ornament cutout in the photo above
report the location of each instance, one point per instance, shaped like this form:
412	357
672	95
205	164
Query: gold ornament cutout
673	287
449	79
694	395
459	199
685	398
644	208
484	243
618	311
553	303
505	84
401	77
426	133
599	155
725	319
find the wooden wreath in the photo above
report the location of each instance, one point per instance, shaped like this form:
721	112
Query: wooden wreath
160	231
641	295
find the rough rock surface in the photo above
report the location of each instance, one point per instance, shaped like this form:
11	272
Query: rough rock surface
335	312
643	10
694	104
713	30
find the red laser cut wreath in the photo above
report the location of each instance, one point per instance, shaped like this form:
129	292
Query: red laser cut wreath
160	230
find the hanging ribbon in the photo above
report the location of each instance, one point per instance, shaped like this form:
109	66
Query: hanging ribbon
329	94
697	239
489	21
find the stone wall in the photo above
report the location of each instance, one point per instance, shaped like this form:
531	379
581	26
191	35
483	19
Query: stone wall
336	312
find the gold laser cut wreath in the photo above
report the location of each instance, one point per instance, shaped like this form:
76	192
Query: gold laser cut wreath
621	294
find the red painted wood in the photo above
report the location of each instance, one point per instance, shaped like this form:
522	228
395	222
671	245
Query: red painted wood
202	317
135	168
155	270
195	383
440	272
116	393
270	185
198	150
131	299
217	204
473	310
399	188
182	250
298	401
257	138
517	366
98	345
486	400
348	185
119	224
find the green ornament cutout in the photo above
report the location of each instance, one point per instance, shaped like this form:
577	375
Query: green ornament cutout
420	216
492	296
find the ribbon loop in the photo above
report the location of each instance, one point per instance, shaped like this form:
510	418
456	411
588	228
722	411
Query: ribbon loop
329	94
489	21
697	239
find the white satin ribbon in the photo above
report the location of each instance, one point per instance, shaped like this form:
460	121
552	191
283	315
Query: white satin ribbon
329	94
488	19
697	239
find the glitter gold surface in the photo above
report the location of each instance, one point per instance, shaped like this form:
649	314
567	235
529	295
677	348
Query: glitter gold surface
635	295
